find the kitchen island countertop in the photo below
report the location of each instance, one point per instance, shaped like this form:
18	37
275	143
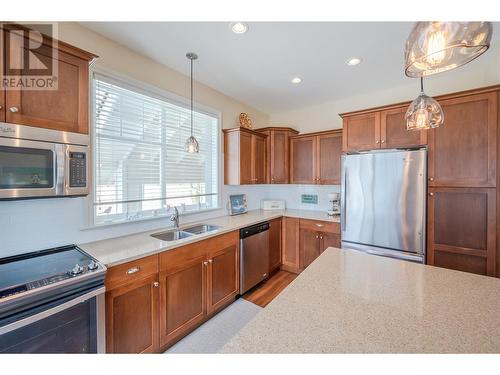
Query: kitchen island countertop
118	250
350	302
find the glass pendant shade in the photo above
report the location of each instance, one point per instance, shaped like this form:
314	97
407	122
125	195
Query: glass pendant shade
192	145
424	113
435	47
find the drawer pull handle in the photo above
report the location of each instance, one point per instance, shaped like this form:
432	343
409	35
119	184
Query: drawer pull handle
156	284
133	270
320	225
14	109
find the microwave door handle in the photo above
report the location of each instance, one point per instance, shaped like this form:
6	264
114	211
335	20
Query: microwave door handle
59	168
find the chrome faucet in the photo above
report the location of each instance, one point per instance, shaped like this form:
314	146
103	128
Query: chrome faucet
175	217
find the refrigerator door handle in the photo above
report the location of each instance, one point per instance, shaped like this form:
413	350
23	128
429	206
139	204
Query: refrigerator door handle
342	202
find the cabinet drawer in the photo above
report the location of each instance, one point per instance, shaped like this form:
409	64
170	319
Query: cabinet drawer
131	271
320	226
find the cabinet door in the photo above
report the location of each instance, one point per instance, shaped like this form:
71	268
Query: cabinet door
393	131
222	276
258	159
462	152
279	156
132	317
329	240
361	132
290	243
65	108
461	229
309	247
303	161
274	244
182	298
245	158
328	156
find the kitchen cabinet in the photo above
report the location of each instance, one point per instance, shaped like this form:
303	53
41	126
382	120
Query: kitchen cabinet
223	276
274	244
132	307
461	229
278	152
196	280
315	158
290	243
463	152
244	157
315	237
379	129
65	108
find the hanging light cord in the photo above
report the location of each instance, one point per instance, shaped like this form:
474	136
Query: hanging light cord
191	97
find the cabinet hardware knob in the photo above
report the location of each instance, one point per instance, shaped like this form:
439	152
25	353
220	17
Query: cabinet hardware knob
431	178
210	261
383	140
133	270
205	263
1	107
377	142
431	194
321	237
156	284
317	236
14	109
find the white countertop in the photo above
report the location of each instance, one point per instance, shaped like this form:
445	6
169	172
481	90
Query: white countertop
350	302
124	249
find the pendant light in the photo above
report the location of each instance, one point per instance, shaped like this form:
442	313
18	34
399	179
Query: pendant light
435	47
424	112
191	144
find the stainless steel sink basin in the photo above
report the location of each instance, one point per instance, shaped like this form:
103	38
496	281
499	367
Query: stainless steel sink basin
171	235
201	228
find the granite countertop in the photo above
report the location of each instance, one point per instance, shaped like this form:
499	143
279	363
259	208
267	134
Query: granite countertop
114	251
350	302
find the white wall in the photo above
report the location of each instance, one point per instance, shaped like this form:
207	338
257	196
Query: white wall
485	71
37	224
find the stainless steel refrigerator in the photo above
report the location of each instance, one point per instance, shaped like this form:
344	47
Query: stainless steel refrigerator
383	199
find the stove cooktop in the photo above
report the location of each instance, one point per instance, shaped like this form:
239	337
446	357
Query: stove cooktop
24	273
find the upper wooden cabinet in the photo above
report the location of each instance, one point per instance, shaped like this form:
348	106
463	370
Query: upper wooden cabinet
463	152
244	157
379	129
278	154
65	108
315	159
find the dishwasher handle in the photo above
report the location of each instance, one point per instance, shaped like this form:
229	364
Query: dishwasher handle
254	229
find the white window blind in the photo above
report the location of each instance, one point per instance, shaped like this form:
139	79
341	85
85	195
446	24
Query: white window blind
140	166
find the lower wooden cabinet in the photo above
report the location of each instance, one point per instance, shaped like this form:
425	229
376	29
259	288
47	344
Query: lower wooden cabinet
153	302
132	317
461	229
223	276
183	289
274	244
304	240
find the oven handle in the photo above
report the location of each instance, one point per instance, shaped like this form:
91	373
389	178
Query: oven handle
54	310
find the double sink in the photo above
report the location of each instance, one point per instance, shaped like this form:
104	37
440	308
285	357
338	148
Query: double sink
178	234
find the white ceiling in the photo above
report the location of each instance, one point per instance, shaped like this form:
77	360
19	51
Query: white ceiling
256	67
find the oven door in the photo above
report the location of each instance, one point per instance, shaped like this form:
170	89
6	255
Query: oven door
30	169
74	326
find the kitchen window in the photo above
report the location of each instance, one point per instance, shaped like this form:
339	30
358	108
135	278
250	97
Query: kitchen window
141	168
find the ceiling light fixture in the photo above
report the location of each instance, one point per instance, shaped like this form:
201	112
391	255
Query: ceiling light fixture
424	112
296	80
191	144
435	47
353	61
239	27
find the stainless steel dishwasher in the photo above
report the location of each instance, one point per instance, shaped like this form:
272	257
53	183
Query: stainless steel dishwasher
254	255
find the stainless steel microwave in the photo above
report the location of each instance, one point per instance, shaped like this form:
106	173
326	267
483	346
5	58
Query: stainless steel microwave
39	162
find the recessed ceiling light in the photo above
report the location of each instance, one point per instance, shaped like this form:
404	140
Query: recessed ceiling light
296	80
239	27
353	61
